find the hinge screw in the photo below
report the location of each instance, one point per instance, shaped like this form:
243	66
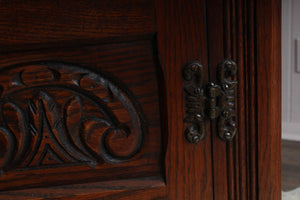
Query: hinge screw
196	139
229	63
232	123
197	91
195	68
227	135
198	116
225	113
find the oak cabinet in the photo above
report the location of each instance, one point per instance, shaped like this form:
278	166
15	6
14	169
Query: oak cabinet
93	105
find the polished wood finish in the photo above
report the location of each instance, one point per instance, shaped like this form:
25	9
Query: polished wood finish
27	25
268	53
216	46
181	38
231	25
103	50
143	46
109	189
130	64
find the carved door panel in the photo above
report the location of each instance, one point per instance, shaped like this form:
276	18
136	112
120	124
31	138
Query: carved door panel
93	105
84	110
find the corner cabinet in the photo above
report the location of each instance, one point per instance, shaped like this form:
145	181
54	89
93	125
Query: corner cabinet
136	99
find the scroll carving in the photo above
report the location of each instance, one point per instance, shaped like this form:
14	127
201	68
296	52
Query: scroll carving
57	114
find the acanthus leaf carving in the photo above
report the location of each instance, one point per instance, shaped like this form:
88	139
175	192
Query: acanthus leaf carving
63	120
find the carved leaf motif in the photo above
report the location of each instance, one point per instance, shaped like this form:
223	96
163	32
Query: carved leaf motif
61	121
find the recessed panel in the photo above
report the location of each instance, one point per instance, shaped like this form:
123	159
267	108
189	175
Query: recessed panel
76	115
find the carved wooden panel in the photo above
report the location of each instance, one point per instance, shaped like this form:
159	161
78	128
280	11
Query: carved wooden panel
61	114
92	111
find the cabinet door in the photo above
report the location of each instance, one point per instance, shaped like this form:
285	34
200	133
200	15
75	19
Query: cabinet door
93	106
92	103
248	32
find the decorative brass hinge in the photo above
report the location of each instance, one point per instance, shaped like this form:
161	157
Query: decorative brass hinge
210	101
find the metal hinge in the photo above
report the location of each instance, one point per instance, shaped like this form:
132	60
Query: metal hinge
210	101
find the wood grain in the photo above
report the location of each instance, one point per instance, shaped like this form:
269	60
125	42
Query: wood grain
32	24
99	190
132	65
216	48
269	98
232	34
245	148
181	38
144	45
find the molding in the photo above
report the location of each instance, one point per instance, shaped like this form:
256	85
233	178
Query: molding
268	76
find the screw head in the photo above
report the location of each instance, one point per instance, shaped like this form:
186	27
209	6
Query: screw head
228	135
195	67
198	116
195	139
197	90
232	123
225	113
228	63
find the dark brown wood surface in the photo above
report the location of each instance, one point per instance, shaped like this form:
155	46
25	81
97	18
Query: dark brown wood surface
181	39
36	24
216	47
143	46
54	50
129	188
130	64
249	33
231	36
268	54
76	44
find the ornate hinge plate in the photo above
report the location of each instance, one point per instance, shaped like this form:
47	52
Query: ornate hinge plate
210	101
